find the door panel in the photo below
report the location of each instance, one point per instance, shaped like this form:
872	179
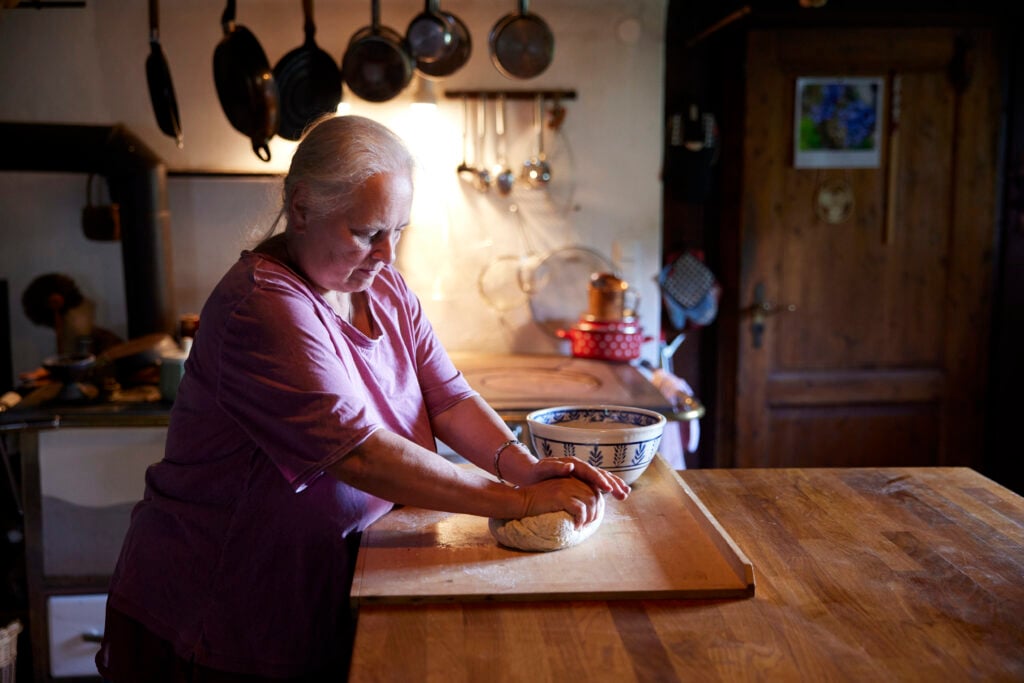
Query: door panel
882	358
865	435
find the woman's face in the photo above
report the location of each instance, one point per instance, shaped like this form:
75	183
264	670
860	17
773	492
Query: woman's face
345	250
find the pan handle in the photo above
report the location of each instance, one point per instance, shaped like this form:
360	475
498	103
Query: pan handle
154	23
308	25
227	20
262	150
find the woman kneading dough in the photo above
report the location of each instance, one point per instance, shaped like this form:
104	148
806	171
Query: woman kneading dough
311	404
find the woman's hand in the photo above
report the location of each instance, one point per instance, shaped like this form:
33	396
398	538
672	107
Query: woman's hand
600	480
562	493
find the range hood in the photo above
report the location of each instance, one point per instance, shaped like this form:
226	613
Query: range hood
137	179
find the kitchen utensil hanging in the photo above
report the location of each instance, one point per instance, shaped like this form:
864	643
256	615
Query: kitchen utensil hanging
531	256
561	187
559	286
245	84
522	44
536	170
377	65
429	35
158	78
504	179
563	197
458	52
498	284
483	173
464	170
308	81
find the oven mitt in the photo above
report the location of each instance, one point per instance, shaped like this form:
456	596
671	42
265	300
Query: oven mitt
686	280
689	291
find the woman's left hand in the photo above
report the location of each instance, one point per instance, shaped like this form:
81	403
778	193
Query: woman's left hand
601	480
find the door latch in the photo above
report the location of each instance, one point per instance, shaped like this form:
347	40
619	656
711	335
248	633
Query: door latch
759	311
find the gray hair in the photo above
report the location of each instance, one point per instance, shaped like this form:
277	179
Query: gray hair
336	156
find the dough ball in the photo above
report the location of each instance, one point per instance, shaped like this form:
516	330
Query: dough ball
549	531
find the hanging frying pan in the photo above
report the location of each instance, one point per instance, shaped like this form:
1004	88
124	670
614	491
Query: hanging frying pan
245	85
377	65
522	45
308	82
429	35
158	78
457	55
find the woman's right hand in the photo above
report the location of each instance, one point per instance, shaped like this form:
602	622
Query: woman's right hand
570	494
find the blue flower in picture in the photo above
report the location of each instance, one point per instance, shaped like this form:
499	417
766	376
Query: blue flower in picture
838	116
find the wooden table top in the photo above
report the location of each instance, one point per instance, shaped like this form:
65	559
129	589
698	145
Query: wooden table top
862	574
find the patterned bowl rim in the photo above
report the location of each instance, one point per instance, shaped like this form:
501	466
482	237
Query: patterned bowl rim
537	416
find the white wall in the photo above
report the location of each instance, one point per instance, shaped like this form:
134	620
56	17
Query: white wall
87	66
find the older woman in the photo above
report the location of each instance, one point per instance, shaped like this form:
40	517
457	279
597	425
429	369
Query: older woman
311	402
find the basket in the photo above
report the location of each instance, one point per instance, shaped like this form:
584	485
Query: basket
9	651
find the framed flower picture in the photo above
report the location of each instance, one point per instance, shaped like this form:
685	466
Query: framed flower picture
838	122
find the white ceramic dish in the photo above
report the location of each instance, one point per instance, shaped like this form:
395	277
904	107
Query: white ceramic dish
620	439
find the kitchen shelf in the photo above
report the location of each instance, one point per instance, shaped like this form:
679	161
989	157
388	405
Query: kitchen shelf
513	94
47	4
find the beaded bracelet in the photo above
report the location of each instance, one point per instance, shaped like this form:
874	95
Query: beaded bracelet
497	456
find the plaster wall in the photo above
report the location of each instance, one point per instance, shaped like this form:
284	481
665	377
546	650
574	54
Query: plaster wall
86	65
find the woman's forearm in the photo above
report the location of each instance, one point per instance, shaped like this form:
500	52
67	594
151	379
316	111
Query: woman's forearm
396	469
475	431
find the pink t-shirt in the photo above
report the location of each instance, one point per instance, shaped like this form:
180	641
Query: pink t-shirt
237	553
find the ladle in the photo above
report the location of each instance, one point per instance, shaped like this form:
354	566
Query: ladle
464	170
483	174
505	179
536	169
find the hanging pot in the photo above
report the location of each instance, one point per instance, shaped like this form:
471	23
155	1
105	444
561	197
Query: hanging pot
158	78
429	35
377	65
245	85
522	45
456	57
308	82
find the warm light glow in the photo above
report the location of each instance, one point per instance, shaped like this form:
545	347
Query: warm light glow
423	96
344	108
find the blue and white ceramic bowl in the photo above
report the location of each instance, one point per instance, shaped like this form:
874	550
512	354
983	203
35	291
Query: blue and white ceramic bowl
619	439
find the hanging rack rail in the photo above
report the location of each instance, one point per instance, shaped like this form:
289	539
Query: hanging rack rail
513	94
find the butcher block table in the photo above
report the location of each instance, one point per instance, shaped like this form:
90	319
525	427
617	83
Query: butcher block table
872	574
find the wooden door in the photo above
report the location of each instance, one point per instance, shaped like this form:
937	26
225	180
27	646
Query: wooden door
883	358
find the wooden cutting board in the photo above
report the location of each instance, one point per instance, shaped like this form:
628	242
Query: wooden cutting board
661	542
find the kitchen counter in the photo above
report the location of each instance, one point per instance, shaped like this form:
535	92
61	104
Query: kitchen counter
862	574
100	414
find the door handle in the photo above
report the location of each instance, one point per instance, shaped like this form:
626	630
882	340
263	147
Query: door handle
759	311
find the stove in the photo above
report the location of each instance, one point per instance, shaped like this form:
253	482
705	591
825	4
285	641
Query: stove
516	384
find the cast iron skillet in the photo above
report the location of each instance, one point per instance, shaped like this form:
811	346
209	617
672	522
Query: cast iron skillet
456	57
522	45
158	77
308	82
377	64
245	85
